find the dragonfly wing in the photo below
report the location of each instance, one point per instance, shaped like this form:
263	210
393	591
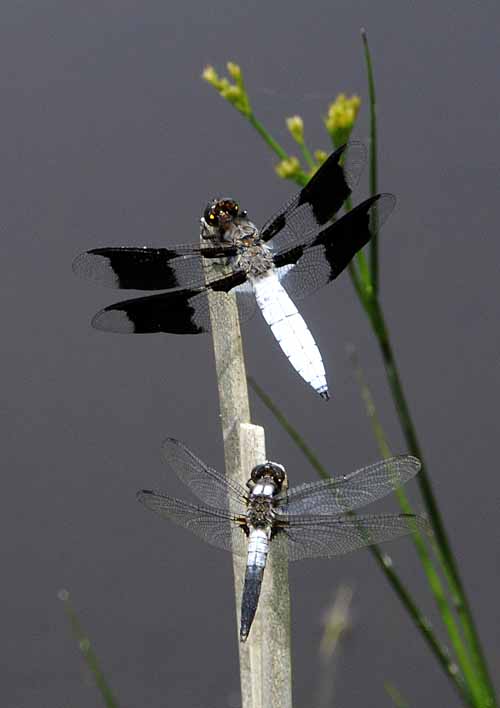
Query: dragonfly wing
209	485
306	268
328	536
318	202
352	491
217	527
148	268
177	312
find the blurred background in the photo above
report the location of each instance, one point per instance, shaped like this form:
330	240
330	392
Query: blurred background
110	137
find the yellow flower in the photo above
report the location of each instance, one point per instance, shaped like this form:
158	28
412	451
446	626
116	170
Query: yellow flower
234	93
342	114
210	75
320	156
295	125
234	70
288	168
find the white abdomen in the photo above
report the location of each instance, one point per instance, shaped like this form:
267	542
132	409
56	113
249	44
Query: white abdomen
290	330
258	547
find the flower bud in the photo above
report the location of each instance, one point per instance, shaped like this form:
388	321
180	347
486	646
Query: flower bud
295	125
342	114
288	168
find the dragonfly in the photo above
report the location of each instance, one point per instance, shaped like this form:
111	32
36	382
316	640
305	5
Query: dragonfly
313	520
297	251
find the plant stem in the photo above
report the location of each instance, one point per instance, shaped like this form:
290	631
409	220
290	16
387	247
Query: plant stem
372	306
440	652
380	329
373	161
362	271
268	138
436	586
395	695
307	155
89	655
292	432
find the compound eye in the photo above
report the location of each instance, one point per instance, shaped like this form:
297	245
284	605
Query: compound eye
230	207
257	472
278	472
210	216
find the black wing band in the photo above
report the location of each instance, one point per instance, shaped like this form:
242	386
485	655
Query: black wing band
177	312
318	202
325	257
148	268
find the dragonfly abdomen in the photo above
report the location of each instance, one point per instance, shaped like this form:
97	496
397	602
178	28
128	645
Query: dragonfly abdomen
291	331
258	548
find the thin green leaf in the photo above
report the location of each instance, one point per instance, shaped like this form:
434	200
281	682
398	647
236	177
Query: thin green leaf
433	579
380	329
89	656
373	161
292	432
267	137
395	695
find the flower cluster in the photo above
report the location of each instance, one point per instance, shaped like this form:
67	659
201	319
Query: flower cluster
289	168
342	114
235	93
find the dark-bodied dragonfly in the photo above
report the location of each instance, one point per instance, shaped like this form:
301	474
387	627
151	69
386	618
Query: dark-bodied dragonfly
296	252
315	520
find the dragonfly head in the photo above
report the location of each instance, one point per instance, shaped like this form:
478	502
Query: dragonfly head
270	470
219	214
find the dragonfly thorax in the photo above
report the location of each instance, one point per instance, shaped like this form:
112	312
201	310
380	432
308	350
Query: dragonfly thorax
260	512
224	222
254	257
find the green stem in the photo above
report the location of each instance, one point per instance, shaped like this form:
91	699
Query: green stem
373	160
267	137
88	653
433	579
363	271
378	323
440	652
292	432
307	155
353	273
380	328
395	695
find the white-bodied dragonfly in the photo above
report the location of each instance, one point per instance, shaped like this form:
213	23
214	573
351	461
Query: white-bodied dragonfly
315	519
296	252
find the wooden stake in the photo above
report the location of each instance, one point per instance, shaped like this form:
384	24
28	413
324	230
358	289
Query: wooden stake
265	661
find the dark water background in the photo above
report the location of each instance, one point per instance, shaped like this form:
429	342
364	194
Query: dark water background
108	136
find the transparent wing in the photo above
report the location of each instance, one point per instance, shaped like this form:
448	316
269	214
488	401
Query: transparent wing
215	526
176	312
352	491
306	268
148	268
206	483
318	202
327	536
